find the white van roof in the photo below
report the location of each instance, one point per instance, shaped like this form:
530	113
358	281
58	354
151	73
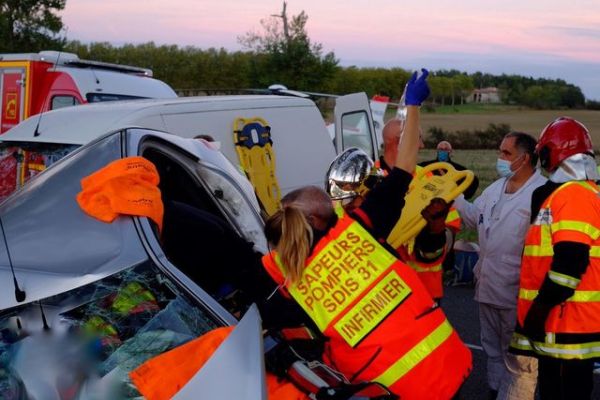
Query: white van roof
84	123
107	82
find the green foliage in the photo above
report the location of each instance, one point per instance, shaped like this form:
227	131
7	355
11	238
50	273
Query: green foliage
194	68
283	53
538	93
381	81
472	108
30	25
488	138
592	105
182	68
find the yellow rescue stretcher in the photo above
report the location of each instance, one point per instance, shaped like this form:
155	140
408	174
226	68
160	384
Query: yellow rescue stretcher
424	187
254	146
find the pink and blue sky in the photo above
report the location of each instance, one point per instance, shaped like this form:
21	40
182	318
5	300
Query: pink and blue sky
551	38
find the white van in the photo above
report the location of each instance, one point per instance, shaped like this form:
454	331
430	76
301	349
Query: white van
300	141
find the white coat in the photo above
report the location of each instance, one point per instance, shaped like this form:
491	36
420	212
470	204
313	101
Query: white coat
501	241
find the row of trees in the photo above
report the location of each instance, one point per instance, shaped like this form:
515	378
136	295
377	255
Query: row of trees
281	53
532	92
298	68
488	138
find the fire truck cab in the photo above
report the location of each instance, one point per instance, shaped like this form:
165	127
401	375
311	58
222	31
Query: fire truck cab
31	83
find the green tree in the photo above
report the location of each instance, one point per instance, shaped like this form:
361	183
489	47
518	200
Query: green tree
31	25
441	88
285	54
463	86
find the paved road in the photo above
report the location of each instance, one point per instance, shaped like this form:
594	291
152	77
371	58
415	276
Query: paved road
461	310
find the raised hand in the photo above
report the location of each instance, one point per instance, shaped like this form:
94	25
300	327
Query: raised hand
417	89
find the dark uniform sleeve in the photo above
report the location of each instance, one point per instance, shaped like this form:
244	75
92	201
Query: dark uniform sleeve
429	246
571	259
383	205
382	209
276	310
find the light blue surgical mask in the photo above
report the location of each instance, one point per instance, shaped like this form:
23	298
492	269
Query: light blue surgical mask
503	168
443	155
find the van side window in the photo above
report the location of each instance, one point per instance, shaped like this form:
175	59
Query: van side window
356	133
63	101
100	97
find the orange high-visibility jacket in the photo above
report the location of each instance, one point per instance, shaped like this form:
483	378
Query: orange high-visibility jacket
380	320
430	273
571	213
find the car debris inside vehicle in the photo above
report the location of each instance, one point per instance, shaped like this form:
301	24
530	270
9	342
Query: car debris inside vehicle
100	332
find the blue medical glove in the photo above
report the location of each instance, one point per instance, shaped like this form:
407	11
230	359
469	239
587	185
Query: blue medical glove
417	89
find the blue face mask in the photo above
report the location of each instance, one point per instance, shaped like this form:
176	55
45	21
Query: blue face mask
503	168
443	155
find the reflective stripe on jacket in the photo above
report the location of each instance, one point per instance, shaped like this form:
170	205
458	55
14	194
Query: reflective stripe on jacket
377	314
571	213
430	274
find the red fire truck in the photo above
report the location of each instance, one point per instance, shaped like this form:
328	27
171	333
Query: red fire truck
32	83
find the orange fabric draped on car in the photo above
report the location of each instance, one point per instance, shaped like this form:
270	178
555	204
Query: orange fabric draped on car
161	377
127	186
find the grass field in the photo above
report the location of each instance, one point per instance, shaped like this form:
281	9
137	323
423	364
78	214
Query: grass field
470	117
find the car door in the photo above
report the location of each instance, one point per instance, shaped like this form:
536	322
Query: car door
354	124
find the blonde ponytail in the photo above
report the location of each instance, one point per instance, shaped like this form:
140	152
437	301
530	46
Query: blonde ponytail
291	234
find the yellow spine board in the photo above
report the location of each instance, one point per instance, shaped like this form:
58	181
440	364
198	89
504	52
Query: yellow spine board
258	160
424	188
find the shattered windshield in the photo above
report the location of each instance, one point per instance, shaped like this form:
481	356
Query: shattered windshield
20	161
84	343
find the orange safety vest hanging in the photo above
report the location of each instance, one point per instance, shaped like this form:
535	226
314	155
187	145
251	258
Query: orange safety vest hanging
571	213
381	322
127	186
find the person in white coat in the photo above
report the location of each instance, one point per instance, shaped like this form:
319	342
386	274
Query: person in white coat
501	215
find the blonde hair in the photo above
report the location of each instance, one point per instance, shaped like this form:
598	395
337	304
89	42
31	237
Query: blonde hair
289	231
291	234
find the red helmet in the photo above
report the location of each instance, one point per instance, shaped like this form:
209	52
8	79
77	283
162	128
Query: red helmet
561	139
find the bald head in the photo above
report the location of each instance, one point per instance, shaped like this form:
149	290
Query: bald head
445	146
392	130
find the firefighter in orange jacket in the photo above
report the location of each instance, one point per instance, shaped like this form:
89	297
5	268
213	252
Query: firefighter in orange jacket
381	323
428	265
558	307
